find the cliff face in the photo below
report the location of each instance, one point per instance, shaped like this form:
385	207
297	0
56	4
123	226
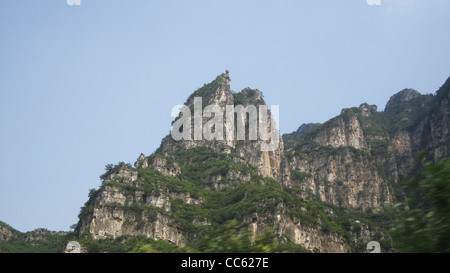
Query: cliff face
121	208
439	124
170	210
114	211
269	163
356	159
322	190
335	163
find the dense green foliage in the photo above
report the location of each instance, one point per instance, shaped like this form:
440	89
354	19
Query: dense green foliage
248	96
227	238
231	238
126	244
42	241
425	227
108	169
240	99
406	115
299	175
294	137
88	207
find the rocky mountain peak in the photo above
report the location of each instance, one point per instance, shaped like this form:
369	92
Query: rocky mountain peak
216	92
402	96
6	232
123	172
141	162
251	96
224	80
367	110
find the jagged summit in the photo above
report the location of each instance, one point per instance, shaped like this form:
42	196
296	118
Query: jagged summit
216	91
219	92
402	96
367	110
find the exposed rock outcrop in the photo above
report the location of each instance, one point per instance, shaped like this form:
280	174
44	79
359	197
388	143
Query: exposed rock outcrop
402	96
269	163
123	172
6	232
352	162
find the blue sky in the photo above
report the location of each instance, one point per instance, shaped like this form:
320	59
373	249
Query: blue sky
84	86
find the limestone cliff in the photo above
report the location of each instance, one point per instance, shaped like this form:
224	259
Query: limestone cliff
335	163
326	190
356	159
269	163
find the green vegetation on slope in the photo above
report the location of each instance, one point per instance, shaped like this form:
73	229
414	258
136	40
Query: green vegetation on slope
227	238
425	227
36	241
236	201
206	90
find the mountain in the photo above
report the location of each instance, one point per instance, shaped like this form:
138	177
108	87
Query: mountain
324	188
36	241
326	191
300	134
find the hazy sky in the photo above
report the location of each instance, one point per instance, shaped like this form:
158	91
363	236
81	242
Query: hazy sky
84	86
